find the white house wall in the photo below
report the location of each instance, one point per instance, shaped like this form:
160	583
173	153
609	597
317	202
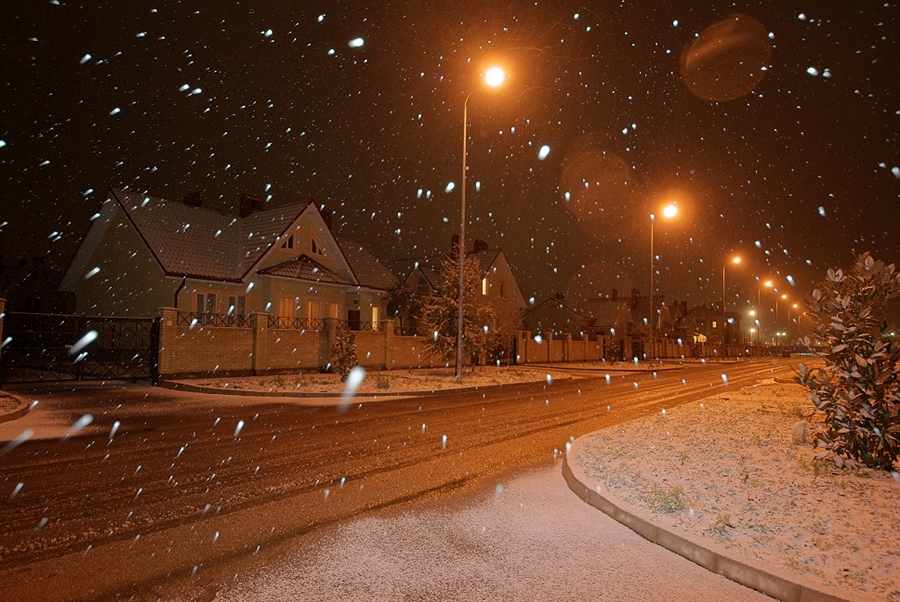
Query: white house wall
122	278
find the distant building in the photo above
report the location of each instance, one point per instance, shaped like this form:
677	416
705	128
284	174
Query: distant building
708	321
553	315
422	276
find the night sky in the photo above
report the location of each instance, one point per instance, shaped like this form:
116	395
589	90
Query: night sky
772	125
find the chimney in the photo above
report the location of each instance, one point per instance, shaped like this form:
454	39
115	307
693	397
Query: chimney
249	204
615	294
195	199
480	245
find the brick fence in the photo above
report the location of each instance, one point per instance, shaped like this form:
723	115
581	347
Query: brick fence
194	348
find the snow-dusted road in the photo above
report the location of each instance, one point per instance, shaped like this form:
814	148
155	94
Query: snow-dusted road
166	493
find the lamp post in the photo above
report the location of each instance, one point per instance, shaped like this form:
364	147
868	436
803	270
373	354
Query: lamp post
493	77
735	261
669	211
783	297
788	330
767	283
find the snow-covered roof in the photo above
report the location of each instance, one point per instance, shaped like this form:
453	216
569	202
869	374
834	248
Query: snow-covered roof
209	245
369	273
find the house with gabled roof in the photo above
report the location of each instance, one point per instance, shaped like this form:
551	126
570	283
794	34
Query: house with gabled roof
609	316
554	316
423	274
142	253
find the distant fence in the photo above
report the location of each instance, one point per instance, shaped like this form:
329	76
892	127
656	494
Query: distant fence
188	344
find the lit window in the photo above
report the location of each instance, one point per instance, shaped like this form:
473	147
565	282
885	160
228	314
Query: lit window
484	286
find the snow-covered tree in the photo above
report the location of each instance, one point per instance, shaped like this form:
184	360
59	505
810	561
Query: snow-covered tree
440	312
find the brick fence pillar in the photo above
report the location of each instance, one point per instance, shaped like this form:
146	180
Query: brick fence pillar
259	323
326	340
168	339
387	328
567	347
547	337
522	337
2	315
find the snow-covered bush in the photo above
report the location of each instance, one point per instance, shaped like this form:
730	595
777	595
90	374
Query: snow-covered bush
343	349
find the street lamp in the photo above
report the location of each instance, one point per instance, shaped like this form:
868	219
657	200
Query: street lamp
735	261
669	211
756	322
494	77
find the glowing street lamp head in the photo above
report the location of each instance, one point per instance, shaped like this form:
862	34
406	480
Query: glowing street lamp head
768	283
494	76
670	211
736	260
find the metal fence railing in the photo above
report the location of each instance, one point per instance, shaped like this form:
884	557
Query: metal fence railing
57	347
297	323
204	319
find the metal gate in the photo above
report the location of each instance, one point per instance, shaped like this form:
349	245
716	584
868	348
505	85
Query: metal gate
56	347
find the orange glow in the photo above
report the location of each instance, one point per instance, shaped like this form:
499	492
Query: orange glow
495	76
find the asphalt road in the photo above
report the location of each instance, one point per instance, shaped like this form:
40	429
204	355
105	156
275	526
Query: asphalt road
175	492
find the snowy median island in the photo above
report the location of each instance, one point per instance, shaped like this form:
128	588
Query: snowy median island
728	469
384	382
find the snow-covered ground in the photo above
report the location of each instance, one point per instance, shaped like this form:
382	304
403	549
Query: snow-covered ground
527	537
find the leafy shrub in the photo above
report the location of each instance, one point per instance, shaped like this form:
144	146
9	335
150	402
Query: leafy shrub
857	394
722	524
343	348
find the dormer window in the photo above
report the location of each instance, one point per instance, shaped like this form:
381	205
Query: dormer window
317	249
288	243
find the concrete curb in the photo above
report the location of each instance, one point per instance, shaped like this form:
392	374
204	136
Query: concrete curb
22	409
772	582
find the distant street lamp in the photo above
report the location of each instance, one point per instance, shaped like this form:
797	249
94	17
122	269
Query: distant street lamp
735	261
669	211
494	77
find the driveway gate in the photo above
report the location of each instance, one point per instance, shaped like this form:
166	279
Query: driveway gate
55	347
